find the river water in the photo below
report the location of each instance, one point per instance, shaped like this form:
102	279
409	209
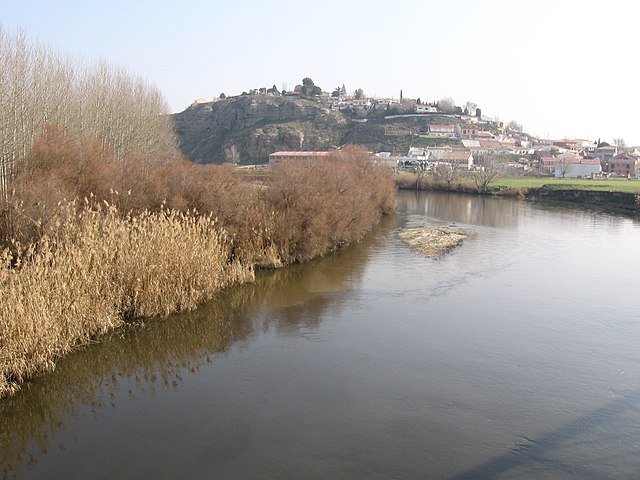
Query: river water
515	356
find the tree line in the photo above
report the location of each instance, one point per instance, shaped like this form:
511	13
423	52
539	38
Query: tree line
125	114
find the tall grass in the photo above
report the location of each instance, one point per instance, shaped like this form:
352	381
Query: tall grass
92	269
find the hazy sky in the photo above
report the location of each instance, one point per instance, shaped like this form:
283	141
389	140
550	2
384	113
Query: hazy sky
561	68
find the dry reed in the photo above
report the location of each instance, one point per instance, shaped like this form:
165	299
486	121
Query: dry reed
92	269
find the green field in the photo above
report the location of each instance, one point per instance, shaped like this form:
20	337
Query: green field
417	141
608	185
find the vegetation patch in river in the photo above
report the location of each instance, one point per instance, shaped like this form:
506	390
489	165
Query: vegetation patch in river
433	241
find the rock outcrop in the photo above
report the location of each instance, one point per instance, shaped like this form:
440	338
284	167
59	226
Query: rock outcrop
248	128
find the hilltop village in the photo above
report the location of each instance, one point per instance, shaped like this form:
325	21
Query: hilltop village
404	132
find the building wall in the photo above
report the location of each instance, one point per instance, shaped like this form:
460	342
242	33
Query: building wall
623	168
575	170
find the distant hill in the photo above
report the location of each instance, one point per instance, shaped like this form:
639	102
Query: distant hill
248	128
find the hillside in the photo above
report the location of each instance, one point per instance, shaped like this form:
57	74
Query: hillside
248	128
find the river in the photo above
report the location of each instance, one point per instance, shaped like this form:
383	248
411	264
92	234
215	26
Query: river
517	355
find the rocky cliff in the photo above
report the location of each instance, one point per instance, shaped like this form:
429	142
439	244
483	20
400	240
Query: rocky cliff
246	129
249	128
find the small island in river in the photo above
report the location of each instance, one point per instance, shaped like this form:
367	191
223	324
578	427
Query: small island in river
433	241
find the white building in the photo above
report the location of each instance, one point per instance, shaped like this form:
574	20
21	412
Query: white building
425	109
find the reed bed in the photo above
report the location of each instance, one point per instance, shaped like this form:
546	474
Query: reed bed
73	270
92	269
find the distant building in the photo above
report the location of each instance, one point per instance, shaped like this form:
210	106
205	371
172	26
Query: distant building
281	156
482	135
584	167
623	165
491	146
570	165
429	153
483	146
568	144
447	131
425	109
522	151
462	158
587	146
604	154
467	131
352	104
419	153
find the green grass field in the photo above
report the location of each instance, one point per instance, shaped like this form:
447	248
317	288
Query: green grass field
621	185
418	141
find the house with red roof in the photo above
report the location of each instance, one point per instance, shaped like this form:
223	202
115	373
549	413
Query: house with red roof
447	131
570	165
467	130
277	157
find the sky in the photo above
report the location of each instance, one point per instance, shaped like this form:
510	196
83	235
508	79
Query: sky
561	68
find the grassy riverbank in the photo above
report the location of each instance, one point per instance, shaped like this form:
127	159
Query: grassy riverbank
71	271
516	185
605	185
616	194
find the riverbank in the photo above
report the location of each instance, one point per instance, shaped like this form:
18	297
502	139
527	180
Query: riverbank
88	267
619	195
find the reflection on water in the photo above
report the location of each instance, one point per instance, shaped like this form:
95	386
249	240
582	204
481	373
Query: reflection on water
157	354
470	209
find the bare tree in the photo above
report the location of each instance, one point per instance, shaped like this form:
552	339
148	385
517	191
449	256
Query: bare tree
515	126
619	142
471	107
448	171
488	168
447	105
38	87
563	166
421	173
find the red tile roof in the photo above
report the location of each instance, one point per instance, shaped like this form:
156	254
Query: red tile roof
300	154
457	155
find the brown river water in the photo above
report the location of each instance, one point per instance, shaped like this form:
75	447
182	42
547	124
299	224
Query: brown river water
517	355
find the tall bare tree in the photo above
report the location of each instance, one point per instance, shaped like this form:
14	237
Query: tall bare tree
448	171
126	114
563	166
447	105
488	168
471	107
